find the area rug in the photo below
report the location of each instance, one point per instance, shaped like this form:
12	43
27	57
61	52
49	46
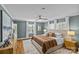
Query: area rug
29	48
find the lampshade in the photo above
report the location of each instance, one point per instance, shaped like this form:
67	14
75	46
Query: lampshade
71	33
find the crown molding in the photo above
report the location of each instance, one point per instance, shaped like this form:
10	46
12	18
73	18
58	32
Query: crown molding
5	9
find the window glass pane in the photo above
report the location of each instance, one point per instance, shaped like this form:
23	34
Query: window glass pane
6	25
60	20
51	22
30	28
6	20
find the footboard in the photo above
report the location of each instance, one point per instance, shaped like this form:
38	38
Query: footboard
37	46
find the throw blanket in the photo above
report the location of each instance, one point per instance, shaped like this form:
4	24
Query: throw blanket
45	42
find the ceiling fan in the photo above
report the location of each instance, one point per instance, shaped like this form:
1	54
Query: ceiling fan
40	17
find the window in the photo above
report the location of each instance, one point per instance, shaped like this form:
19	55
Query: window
51	22
6	25
60	20
31	28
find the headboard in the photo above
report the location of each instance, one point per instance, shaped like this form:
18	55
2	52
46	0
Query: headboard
64	32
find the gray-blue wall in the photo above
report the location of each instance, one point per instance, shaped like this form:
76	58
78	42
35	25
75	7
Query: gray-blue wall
74	22
74	25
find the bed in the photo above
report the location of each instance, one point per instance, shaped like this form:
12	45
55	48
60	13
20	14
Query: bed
47	44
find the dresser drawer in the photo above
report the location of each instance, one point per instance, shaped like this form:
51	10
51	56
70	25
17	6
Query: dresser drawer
70	44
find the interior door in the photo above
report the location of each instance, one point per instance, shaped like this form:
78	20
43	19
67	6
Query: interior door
21	29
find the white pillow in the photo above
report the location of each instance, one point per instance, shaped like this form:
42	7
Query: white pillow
58	35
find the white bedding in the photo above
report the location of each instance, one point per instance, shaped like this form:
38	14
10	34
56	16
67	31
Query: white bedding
59	40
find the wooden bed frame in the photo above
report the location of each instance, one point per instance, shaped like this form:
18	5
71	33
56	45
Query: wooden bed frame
39	48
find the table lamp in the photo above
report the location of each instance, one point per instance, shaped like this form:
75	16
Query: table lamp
71	34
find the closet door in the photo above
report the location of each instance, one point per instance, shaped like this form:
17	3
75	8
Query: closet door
21	29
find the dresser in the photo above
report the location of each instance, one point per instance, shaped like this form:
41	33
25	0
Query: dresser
70	44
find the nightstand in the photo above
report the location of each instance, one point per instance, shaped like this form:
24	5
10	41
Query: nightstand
70	44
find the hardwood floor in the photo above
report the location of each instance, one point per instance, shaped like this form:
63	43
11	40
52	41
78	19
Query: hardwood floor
6	50
20	47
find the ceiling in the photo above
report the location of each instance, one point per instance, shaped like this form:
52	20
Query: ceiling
31	11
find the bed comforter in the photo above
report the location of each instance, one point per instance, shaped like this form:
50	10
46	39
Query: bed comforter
45	42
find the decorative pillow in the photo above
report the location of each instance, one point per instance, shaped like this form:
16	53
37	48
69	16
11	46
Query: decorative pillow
51	34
